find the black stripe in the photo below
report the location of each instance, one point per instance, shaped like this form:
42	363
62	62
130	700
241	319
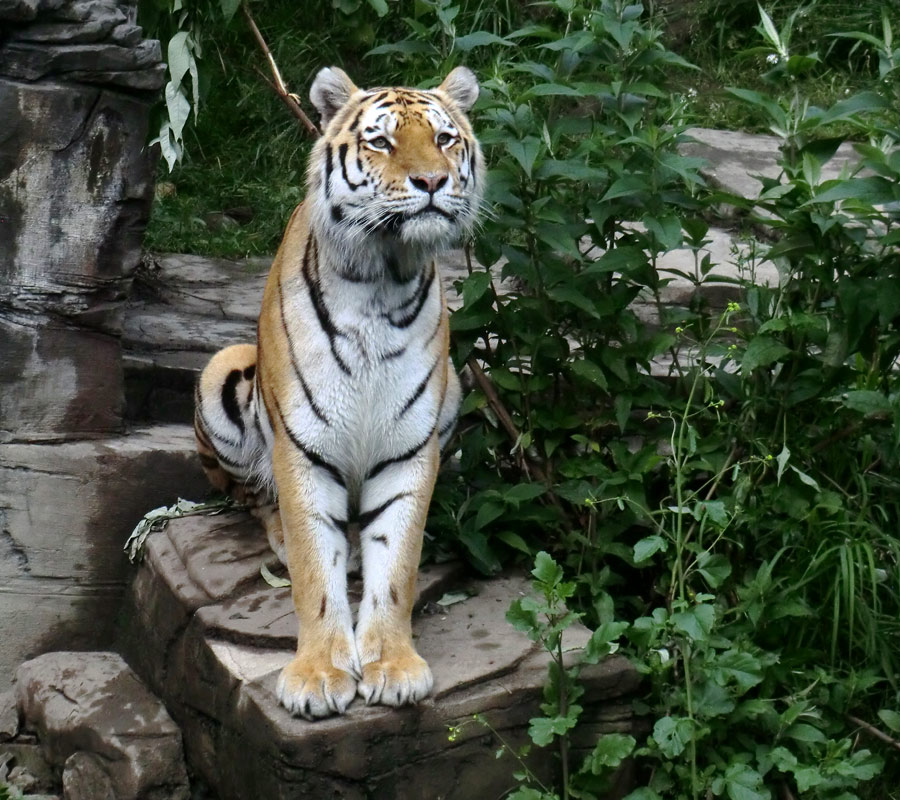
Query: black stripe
436	329
451	424
303	385
224	460
381	540
329	166
342	155
315	295
352	274
380	97
393	268
419	389
313	457
211	432
472	160
366	518
393	354
340	524
229	399
355	123
420	297
413	451
208	461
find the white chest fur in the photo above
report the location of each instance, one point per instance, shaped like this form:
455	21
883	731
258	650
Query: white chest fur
367	364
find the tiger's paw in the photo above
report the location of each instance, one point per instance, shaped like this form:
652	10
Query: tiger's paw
396	681
311	688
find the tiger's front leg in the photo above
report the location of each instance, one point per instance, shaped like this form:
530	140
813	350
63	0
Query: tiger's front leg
394	505
322	677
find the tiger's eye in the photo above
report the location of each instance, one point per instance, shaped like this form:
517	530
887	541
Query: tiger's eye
444	139
380	142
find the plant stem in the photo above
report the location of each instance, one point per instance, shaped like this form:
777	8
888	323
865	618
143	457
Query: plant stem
289	99
563	710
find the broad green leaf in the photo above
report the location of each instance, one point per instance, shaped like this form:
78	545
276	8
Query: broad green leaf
179	57
771	32
644	793
523	492
738	667
477	39
380	7
742	782
805	733
553	89
715	569
697	623
480	551
626	185
515	541
868	402
546	570
229	7
714	510
407	46
487	513
588	369
475	286
610	751
863	102
541	730
672	735
761	352
570	295
525	151
649	546
178	107
873	190
890	718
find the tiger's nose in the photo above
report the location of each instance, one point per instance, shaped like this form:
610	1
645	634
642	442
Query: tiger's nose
429	182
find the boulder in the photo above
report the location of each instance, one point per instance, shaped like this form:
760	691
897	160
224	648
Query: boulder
210	637
66	510
98	722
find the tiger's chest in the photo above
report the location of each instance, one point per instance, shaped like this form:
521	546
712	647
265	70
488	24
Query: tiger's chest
365	362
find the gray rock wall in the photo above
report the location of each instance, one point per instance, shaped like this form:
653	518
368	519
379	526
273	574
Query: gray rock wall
76	181
77	81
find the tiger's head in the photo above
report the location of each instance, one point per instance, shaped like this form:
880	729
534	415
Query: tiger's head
394	165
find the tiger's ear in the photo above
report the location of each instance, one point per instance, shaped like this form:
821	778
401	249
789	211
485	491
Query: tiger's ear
330	91
462	87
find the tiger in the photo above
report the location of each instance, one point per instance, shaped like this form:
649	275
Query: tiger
336	417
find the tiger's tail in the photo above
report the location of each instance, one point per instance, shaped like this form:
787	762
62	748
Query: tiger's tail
229	429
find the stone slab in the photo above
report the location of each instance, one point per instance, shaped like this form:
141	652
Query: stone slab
9	716
75	194
65	512
96	719
215	661
735	158
265	617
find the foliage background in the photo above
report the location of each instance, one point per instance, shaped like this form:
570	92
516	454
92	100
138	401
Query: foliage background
729	521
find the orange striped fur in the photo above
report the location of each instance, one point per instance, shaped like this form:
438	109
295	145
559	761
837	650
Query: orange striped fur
336	417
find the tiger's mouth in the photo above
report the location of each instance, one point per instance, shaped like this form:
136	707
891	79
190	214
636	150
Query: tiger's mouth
394	222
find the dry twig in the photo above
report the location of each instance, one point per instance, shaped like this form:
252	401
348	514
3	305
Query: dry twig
290	100
873	731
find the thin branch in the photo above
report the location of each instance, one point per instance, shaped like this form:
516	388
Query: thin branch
289	99
873	731
506	421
